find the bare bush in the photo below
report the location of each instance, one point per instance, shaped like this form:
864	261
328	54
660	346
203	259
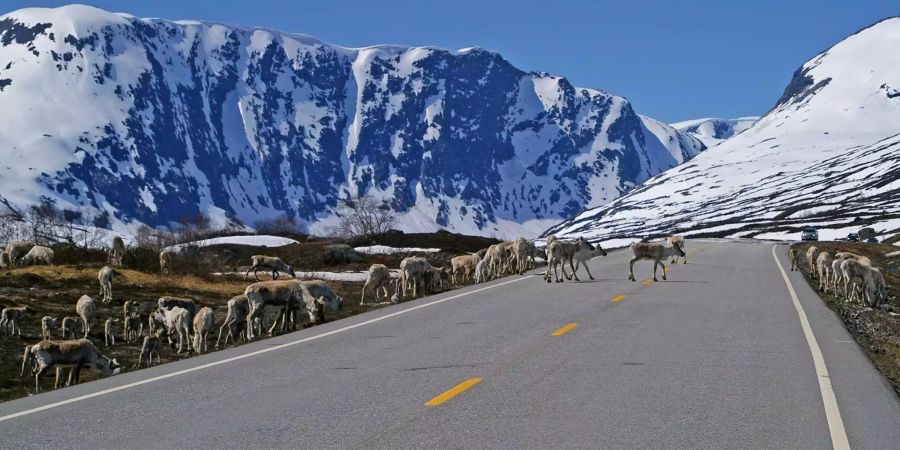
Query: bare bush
47	225
195	228
153	239
364	217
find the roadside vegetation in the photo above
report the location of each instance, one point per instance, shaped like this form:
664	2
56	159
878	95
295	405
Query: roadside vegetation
210	275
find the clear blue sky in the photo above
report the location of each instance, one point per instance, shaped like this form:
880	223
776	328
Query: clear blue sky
674	60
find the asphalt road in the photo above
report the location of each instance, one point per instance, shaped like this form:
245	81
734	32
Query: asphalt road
716	357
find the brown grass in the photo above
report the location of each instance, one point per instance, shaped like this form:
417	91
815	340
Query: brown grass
876	330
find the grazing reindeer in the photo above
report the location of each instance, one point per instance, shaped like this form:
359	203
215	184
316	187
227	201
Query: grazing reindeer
379	278
68	327
235	319
48	323
150	346
463	268
11	320
87	309
116	252
134	328
79	353
109	335
811	254
203	324
272	263
823	268
105	277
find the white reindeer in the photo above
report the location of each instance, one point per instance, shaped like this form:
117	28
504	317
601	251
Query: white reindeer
203	324
105	277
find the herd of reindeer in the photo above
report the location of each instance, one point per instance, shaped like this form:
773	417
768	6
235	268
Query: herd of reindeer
185	325
846	275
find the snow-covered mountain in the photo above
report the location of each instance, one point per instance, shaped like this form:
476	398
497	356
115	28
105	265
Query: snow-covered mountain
712	131
133	120
827	154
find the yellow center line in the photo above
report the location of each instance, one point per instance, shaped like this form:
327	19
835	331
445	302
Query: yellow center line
456	390
648	281
618	298
565	329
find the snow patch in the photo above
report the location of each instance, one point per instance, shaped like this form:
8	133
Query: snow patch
386	250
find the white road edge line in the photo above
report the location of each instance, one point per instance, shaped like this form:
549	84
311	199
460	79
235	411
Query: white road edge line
247	355
832	413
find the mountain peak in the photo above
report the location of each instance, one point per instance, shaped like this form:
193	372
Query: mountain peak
712	131
128	120
824	156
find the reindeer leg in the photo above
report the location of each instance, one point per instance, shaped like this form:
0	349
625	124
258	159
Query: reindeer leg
631	269
37	377
75	375
655	263
663	268
227	323
574	275
591	276
275	323
546	272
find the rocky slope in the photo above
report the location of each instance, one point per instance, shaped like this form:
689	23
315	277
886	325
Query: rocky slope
827	154
126	120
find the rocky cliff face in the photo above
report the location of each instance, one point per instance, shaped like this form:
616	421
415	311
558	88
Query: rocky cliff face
130	120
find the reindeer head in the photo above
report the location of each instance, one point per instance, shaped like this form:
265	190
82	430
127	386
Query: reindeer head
584	244
678	249
104	366
290	270
334	303
313	308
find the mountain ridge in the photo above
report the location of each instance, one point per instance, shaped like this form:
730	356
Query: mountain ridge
149	120
826	155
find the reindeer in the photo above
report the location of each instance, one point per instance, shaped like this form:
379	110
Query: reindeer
653	251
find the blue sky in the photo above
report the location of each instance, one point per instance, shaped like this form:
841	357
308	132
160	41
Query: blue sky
674	60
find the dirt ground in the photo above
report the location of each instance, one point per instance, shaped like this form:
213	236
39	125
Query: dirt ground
876	330
54	290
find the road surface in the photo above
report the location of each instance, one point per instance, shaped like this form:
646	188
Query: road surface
716	357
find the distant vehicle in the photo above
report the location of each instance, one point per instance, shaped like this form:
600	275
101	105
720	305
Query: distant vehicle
853	237
872	240
809	234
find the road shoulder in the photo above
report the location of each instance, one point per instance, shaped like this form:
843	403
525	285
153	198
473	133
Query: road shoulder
869	407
